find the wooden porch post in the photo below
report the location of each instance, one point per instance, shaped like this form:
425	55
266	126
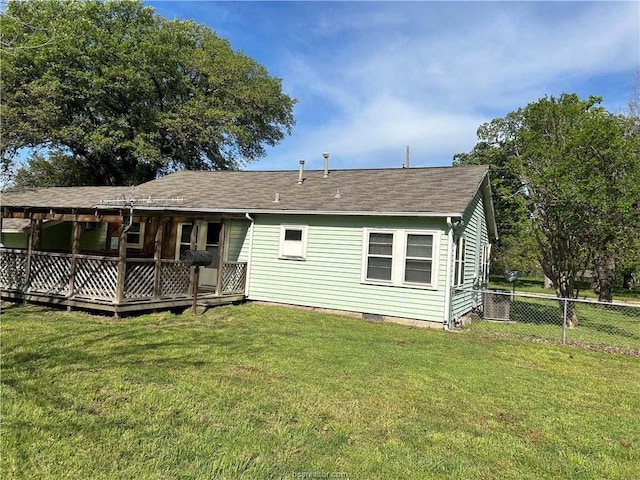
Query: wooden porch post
75	248
33	242
192	246
37	233
122	264
221	255
157	257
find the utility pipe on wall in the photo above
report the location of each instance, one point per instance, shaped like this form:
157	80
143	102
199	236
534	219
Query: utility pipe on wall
249	257
447	281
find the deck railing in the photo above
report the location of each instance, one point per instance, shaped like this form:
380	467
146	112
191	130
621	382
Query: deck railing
234	277
96	277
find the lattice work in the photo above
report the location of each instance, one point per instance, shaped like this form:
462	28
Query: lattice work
49	273
138	280
174	279
96	278
234	277
13	264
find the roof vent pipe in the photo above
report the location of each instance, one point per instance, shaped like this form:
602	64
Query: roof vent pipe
406	158
300	172
326	164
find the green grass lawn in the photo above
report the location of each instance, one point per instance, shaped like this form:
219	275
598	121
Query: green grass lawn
254	391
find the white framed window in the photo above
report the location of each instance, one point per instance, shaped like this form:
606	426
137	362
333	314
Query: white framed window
184	238
486	263
418	262
379	256
458	264
293	242
135	235
400	257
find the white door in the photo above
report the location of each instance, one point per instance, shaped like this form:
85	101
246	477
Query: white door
207	238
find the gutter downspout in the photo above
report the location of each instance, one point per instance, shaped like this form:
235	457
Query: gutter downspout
249	257
127	224
447	281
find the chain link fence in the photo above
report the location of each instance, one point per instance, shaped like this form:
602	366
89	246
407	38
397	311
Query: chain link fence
611	327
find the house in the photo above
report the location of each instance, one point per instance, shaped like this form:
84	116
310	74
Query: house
380	242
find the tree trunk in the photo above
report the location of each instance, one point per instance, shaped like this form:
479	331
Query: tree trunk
565	289
627	281
604	271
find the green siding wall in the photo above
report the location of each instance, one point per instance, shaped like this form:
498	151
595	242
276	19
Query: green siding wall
238	240
476	234
94	239
330	277
15	240
58	238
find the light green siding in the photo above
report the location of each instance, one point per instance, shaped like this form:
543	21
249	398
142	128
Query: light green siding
476	234
330	277
238	240
93	240
57	237
15	239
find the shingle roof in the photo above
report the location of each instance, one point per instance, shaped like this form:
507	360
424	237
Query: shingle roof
15	224
431	190
61	197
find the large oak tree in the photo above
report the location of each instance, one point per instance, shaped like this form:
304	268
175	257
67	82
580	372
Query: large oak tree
121	95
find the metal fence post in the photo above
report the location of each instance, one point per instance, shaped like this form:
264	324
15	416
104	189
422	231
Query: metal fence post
564	322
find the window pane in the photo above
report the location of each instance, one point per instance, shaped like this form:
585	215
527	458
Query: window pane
185	237
380	243
134	228
419	246
293	235
213	233
417	271
379	268
133	238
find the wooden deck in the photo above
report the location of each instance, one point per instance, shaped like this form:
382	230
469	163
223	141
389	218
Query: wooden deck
106	284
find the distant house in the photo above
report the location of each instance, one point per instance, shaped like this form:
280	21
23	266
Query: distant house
380	242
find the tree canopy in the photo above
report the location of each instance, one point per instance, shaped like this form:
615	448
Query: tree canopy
567	173
122	95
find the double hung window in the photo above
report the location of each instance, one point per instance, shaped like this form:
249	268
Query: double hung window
399	257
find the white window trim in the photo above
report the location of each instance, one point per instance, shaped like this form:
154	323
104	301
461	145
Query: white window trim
485	263
459	262
139	244
365	256
282	254
399	257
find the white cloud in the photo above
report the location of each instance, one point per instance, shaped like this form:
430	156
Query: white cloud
372	77
406	79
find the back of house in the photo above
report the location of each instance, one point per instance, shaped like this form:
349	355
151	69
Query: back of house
385	243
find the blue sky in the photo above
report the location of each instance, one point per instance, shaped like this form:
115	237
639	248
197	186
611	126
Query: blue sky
373	77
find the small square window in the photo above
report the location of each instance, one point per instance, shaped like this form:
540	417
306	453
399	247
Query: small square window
293	242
